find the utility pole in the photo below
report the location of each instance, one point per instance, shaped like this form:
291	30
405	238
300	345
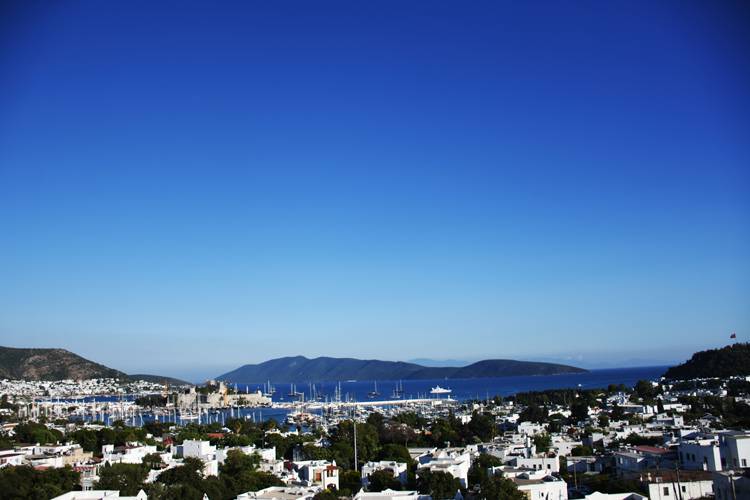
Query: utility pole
354	423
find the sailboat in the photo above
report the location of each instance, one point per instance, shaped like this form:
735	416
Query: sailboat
270	390
374	393
294	393
398	391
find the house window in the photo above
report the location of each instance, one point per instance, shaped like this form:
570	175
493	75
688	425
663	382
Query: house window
549	466
744	462
666	491
684	489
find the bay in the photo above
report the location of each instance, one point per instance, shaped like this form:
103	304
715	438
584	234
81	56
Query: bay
462	389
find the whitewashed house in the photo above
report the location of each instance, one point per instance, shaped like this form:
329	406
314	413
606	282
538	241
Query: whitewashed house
396	469
455	463
318	472
682	490
551	465
546	488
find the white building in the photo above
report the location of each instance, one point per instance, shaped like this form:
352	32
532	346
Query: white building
723	451
99	495
582	465
197	449
282	493
731	486
397	470
131	453
319	472
548	464
563	446
671	421
700	454
546	488
614	496
11	457
530	428
627	461
735	449
456	463
390	495
203	450
684	490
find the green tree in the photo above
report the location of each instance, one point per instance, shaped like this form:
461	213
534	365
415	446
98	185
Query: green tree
189	473
482	427
579	411
581	451
152	461
343	454
240	473
603	421
437	484
31	432
350	482
382	480
327	494
25	483
88	440
533	413
412	419
478	471
238	462
127	478
542	441
249	480
395	452
646	391
617	413
499	488
446	430
368	442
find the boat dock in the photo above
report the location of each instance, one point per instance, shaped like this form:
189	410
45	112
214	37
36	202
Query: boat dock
348	404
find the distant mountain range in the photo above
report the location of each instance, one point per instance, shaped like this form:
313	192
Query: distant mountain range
725	362
60	364
302	369
438	362
158	379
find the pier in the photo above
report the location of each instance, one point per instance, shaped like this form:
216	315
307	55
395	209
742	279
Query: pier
390	402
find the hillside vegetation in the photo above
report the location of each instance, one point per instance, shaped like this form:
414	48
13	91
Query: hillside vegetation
300	369
725	362
60	364
50	364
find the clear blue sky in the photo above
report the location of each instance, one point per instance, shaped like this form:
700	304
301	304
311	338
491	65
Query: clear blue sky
186	187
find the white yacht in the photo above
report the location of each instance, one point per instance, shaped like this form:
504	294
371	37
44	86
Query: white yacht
440	390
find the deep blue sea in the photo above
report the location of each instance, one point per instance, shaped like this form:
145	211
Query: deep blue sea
469	388
461	389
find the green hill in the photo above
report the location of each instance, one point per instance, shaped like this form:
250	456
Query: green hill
725	362
60	364
50	364
302	369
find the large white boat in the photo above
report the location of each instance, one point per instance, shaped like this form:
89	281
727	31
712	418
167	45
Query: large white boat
440	390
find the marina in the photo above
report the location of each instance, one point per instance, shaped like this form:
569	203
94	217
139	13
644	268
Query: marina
324	401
